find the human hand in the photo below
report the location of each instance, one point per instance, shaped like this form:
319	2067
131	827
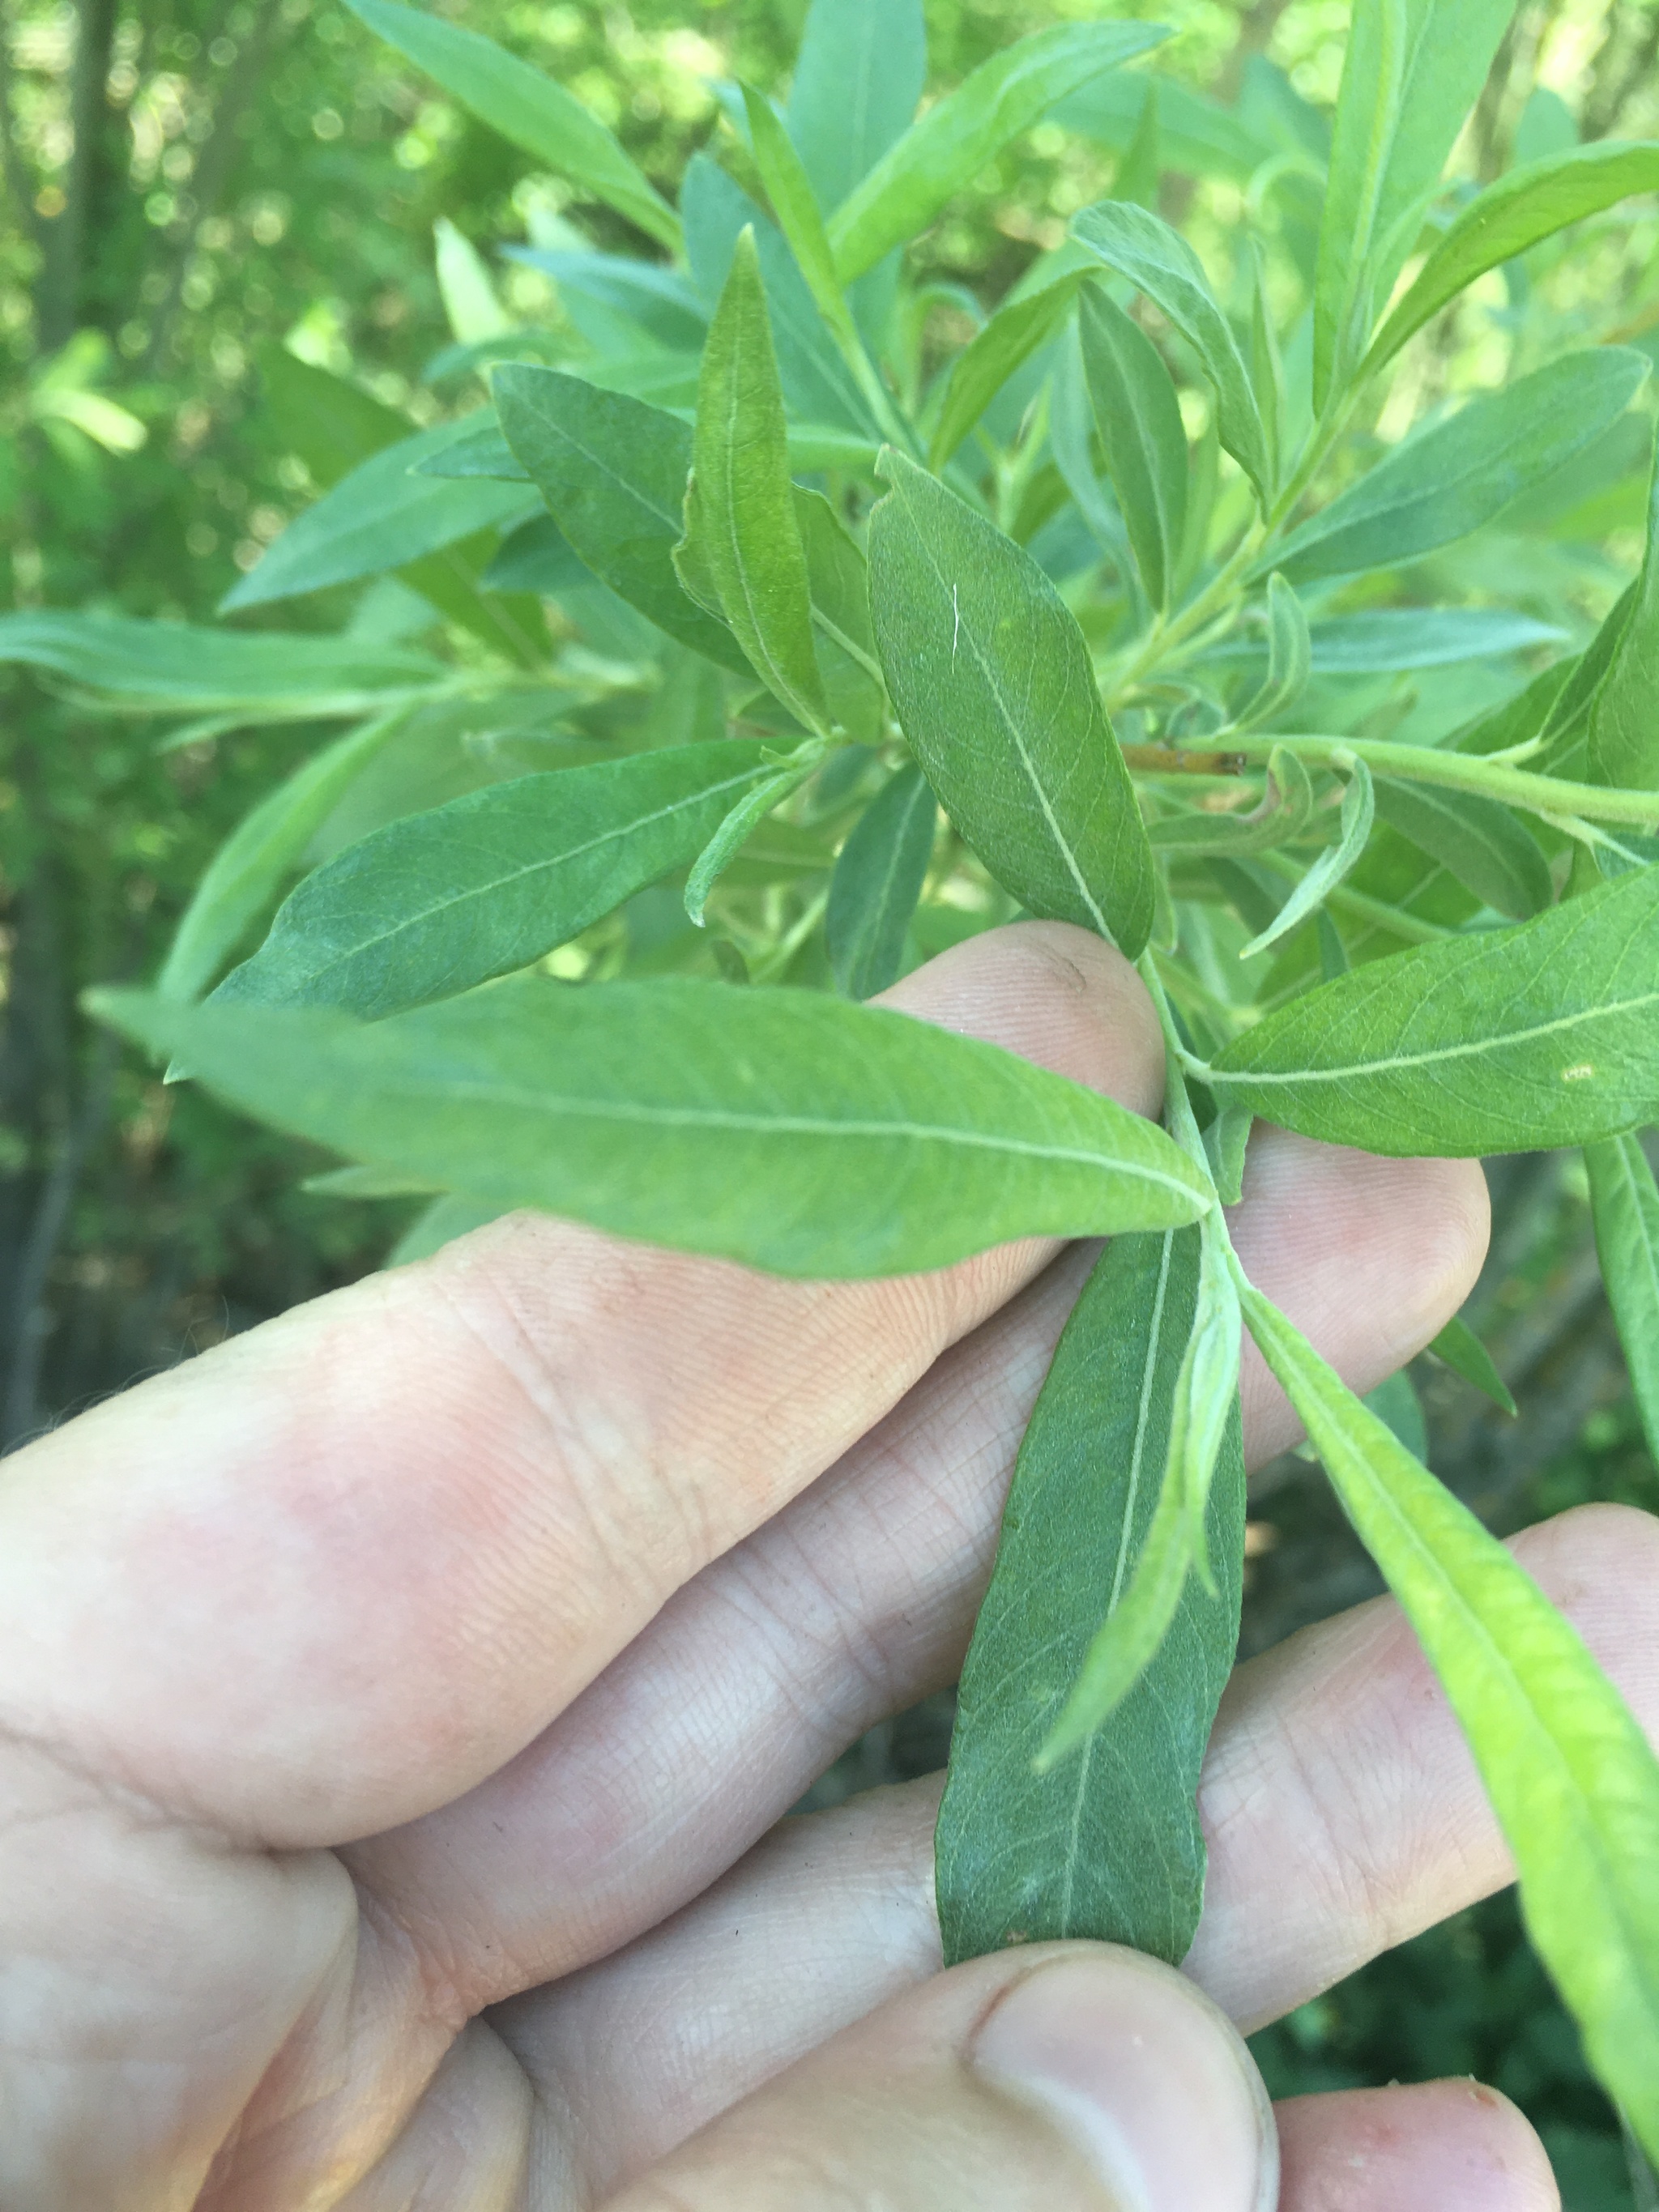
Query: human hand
398	1705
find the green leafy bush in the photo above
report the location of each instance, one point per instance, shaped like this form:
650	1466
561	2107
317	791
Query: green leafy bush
771	551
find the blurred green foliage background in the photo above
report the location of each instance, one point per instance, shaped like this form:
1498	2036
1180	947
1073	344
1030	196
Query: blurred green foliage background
187	185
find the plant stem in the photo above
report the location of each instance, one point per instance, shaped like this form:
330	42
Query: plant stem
1471	772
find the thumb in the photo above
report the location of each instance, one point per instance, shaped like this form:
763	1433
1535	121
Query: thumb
1069	2077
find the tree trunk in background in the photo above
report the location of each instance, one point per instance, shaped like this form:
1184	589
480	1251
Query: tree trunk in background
63	278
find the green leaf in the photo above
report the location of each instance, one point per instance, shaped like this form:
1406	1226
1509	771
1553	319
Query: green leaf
1464	473
438	1224
1570	1776
1203	1415
817	383
163	667
741	533
1108	1846
1625	1205
381	516
1384	639
528	109
1159	262
331	424
614	299
1139	418
1226	1143
1286	809
1529	203
838	580
785	1129
789	188
483	451
1624	731
859	74
1358	806
1290	657
1412	71
1464	1353
1507	1040
877	880
1484	845
992	680
745	817
242	878
1395	1403
1013	334
438	902
947	147
613	472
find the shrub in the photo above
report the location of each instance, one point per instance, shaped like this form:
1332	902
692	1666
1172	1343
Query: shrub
767	550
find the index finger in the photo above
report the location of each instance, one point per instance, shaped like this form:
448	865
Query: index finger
333	1573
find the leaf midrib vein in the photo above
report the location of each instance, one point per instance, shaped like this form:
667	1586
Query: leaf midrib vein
1463	1050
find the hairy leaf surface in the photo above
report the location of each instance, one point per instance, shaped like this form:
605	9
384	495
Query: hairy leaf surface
992	684
442	901
1507	1040
786	1129
860	72
1484	845
613	472
1107	1845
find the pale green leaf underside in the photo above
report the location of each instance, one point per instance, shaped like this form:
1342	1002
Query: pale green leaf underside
786	1129
1505	1040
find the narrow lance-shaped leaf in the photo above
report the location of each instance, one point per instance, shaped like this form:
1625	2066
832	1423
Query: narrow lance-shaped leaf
949	144
877	880
1109	1844
1447	481
1531	203
1625	1205
790	190
1203	1412
1509	1040
243	876
860	72
1358	808
1226	1143
163	667
744	817
1290	657
1570	1776
1013	334
838	578
527	108
1286	809
439	901
785	1129
1624	725
1139	418
1463	1351
741	536
381	516
1140	246
613	472
1482	844
1412	72
992	680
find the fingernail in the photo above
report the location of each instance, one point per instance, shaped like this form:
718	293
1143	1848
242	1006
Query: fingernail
1147	2078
